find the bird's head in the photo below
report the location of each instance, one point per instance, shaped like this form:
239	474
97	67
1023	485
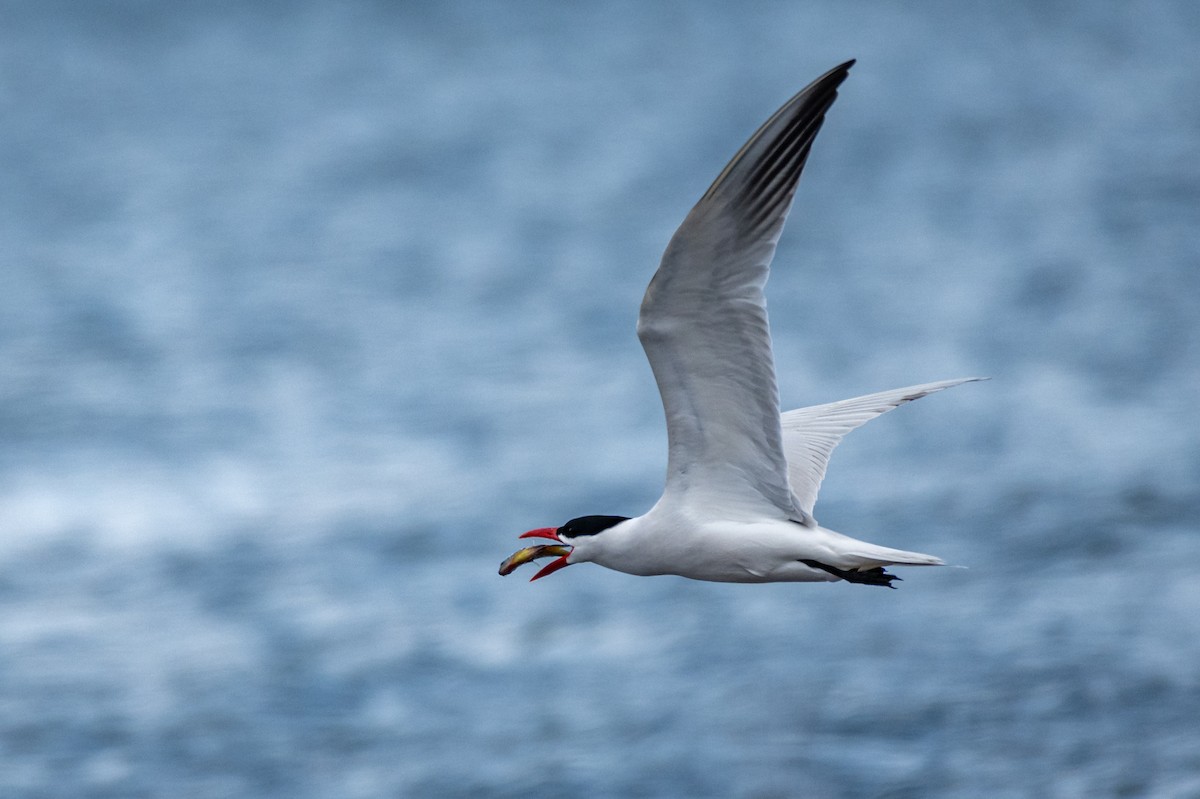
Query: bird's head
567	536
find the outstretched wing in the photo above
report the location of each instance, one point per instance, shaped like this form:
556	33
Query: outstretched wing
810	434
703	321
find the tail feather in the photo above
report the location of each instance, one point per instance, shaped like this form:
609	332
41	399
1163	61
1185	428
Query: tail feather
864	555
860	561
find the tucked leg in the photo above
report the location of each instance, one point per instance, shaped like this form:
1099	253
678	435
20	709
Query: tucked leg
876	576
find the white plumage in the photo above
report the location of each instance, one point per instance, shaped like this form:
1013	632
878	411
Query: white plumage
741	479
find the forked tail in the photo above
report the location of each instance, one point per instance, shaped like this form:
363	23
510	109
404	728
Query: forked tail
868	562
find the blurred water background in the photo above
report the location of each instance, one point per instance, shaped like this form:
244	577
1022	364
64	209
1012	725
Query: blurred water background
307	309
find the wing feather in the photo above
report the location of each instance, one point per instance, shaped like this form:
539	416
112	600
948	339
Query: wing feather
703	321
810	434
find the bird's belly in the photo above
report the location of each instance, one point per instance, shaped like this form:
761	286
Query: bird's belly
728	554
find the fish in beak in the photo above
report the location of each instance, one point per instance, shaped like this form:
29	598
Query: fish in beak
528	554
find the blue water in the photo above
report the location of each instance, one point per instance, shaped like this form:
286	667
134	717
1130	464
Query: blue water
307	309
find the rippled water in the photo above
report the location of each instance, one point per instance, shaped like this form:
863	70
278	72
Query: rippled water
307	309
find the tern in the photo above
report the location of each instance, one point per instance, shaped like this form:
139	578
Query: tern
742	479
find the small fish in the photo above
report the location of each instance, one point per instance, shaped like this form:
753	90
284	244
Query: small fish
528	554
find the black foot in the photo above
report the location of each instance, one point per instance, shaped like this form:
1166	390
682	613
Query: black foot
876	576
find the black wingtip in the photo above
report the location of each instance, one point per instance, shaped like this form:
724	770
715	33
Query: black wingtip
835	75
841	69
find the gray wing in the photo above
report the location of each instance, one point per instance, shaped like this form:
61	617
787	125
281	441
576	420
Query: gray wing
703	321
810	434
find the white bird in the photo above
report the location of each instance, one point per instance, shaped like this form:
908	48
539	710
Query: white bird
741	478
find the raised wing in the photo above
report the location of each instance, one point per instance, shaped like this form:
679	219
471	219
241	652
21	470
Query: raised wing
810	434
703	320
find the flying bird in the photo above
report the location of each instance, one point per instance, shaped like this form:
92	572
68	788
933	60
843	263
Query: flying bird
742	479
